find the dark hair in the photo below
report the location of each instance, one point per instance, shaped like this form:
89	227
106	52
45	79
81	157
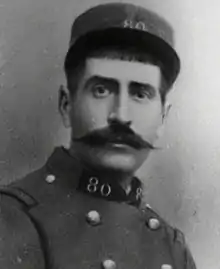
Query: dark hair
74	73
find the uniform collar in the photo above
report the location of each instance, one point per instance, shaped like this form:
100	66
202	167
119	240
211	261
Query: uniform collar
65	167
72	174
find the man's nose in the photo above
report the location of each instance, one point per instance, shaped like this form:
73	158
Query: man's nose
120	110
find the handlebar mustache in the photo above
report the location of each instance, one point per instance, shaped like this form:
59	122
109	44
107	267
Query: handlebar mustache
116	133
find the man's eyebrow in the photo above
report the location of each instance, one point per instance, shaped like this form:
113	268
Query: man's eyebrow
145	84
99	78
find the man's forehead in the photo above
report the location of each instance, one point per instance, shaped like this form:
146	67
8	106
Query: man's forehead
122	69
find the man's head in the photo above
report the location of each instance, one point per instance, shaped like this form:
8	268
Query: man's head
115	100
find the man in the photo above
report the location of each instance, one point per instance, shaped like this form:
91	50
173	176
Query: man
83	209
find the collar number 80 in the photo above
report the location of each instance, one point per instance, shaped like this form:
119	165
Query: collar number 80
94	186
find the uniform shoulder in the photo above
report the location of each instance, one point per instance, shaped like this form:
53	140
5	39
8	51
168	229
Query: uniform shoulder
176	241
19	189
28	189
59	169
31	179
20	244
179	247
175	234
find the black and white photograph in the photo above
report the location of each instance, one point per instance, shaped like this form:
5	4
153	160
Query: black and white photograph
109	134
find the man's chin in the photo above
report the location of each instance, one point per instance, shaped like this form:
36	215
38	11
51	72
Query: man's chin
123	162
119	162
117	157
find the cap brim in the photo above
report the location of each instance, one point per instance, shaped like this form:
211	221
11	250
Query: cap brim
126	38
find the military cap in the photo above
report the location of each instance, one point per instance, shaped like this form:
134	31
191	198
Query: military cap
127	25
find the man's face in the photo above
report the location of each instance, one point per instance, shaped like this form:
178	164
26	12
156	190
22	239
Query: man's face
121	96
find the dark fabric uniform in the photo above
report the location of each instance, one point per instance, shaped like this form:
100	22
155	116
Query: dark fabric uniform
64	216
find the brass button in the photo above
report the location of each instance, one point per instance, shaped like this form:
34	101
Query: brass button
166	266
108	264
154	224
93	218
50	178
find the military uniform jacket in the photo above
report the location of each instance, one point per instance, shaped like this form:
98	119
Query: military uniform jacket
63	216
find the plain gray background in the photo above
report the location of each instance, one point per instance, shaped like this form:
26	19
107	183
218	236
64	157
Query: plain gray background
183	179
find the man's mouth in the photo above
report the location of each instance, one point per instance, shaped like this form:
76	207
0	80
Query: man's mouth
120	142
116	141
119	146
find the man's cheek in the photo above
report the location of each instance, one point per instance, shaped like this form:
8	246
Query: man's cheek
80	124
148	131
97	116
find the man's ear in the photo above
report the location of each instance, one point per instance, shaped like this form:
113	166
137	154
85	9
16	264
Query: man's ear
165	111
65	105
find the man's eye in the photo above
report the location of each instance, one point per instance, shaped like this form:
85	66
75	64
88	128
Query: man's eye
100	91
142	93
